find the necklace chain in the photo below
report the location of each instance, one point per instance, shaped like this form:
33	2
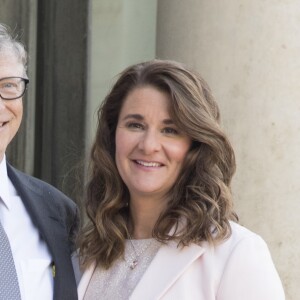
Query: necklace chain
135	256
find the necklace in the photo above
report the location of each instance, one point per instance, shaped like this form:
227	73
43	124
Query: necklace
134	256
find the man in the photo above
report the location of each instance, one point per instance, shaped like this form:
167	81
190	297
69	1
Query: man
37	221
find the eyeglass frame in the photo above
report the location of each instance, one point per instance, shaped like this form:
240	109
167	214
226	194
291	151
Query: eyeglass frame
26	81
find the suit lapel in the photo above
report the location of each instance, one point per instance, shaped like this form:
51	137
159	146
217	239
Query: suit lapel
167	266
42	210
45	216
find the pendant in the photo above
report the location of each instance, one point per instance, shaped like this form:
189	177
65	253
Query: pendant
133	264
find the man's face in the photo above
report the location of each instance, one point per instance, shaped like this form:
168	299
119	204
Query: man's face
11	111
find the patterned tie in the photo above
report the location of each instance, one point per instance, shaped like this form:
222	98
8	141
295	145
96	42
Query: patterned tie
9	287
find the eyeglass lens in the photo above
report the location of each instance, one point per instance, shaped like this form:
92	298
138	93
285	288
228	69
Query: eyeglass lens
12	87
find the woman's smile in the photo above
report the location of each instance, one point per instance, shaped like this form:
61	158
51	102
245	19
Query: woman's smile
148	164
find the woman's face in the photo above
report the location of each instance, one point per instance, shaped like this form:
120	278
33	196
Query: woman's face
150	149
11	111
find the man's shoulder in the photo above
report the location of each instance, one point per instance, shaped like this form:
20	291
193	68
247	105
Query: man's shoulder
37	185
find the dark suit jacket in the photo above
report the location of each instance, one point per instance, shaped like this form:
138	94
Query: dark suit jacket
56	218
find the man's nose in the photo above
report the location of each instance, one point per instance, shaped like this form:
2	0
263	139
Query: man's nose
2	103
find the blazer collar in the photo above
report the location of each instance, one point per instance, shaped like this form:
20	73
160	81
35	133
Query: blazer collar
41	208
176	260
47	216
85	280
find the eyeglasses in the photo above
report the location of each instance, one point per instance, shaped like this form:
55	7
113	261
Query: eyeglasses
12	87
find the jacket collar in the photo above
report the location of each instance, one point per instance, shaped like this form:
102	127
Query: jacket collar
45	214
177	261
85	280
161	278
39	205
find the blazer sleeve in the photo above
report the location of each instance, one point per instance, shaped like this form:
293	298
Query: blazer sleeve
250	274
68	212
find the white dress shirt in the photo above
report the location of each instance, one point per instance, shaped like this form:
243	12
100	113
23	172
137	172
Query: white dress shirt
31	255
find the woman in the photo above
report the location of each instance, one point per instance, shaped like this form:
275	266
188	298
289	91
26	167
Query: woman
161	223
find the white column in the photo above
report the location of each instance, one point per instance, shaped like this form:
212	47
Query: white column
122	33
249	52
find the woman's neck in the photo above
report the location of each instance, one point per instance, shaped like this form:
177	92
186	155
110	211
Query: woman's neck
143	216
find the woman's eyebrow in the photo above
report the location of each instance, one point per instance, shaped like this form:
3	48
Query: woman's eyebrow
168	122
141	118
134	116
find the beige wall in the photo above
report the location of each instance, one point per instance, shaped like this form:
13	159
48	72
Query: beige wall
249	52
123	32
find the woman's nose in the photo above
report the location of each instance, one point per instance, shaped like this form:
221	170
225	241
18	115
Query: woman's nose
150	142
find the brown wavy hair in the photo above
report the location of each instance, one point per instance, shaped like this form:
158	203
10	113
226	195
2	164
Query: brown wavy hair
201	196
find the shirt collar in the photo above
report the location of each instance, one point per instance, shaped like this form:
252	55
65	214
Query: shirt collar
4	187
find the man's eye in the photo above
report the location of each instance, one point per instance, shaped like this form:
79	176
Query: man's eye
8	85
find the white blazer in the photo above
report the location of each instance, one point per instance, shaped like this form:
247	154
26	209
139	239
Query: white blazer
239	268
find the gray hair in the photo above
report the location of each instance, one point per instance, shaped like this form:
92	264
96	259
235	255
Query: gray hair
10	44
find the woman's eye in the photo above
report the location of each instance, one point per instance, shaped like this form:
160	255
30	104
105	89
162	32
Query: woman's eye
134	125
170	130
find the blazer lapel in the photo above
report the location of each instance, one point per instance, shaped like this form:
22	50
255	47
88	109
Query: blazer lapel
45	215
42	210
167	266
85	280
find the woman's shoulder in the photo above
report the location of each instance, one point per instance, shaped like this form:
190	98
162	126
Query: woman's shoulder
245	253
241	240
239	233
